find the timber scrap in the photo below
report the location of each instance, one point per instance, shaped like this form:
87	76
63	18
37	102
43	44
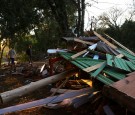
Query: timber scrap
110	63
114	70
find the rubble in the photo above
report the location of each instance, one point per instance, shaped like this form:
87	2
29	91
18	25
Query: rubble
103	65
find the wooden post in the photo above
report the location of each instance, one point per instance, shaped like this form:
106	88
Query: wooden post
18	92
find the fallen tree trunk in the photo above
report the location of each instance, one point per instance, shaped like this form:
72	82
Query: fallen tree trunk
18	92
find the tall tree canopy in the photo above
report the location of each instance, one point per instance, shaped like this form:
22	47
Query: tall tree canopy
20	16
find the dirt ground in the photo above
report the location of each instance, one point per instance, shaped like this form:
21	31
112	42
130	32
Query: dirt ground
9	82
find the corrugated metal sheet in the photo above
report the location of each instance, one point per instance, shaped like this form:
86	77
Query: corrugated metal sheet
112	75
104	79
127	54
117	62
84	62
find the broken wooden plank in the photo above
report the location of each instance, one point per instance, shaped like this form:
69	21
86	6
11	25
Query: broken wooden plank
121	45
18	92
78	54
89	69
104	40
82	41
99	69
42	102
61	85
120	56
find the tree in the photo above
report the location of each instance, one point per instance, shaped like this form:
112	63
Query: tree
16	18
111	18
128	34
109	22
19	17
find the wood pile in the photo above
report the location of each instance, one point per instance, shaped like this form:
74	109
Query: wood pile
92	71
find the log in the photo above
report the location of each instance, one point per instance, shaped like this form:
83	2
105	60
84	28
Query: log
18	92
43	102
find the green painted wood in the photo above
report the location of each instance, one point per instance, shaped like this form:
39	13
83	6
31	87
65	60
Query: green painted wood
98	70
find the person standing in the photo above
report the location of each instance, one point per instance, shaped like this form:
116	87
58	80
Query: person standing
29	54
11	55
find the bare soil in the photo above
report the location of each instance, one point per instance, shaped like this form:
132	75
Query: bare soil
9	82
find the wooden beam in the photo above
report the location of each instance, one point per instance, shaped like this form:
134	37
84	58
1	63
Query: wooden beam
42	102
60	86
99	69
82	41
89	69
121	45
104	40
74	101
33	86
78	54
120	56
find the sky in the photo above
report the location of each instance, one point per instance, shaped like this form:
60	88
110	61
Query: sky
97	7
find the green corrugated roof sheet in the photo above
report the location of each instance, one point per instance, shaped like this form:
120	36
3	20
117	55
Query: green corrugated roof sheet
115	74
113	61
104	79
84	62
127	54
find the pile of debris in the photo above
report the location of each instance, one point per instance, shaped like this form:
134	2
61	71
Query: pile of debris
90	68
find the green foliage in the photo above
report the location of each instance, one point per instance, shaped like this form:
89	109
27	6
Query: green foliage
125	34
128	34
50	19
17	16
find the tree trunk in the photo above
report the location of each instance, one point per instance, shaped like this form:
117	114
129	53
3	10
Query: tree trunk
1	55
18	92
82	17
59	11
